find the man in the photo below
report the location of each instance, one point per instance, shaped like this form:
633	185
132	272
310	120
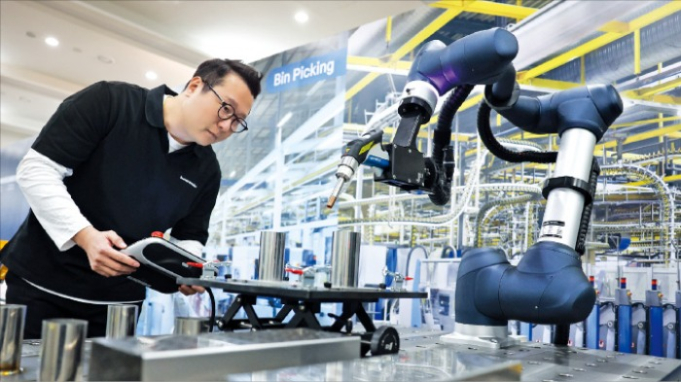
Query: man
113	164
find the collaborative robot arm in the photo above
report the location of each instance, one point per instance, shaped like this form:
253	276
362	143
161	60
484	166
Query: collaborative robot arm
479	58
548	286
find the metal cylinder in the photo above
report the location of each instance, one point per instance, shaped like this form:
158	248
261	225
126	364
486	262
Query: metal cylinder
191	325
121	321
345	259
61	353
272	245
12	319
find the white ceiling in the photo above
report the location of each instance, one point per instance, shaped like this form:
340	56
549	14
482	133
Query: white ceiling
122	40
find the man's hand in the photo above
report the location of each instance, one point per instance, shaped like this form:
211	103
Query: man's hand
189	290
102	254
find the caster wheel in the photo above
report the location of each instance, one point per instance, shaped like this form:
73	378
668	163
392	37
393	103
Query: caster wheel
385	340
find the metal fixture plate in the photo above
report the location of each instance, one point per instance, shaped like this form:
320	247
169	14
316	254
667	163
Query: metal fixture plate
287	290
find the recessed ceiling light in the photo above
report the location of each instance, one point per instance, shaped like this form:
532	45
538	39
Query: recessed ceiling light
231	174
51	41
151	75
301	17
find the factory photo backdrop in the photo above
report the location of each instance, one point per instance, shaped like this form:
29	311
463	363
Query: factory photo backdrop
318	96
495	203
278	175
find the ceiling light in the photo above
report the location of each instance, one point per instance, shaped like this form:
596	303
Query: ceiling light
301	17
285	119
231	174
151	75
51	41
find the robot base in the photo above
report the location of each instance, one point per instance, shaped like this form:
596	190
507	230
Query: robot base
491	337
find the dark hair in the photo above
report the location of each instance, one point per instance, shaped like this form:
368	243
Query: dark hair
213	71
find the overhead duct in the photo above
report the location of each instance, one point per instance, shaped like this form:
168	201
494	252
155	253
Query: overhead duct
553	28
369	39
616	60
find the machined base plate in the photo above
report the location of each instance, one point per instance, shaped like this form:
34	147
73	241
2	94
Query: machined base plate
485	342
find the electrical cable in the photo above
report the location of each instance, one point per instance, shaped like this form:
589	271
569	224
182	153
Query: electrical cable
443	155
499	151
445	249
586	212
443	131
425	251
212	312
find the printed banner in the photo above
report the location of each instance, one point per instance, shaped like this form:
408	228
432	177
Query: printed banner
306	72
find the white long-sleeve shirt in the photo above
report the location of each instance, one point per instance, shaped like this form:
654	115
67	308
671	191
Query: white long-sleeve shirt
42	182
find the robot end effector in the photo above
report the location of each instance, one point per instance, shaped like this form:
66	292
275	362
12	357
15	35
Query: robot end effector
480	58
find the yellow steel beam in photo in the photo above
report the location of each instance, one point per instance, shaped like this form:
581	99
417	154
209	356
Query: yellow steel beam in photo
615	26
373	62
643	136
661	88
666	179
637	51
488	8
410	45
644	122
361	84
549	84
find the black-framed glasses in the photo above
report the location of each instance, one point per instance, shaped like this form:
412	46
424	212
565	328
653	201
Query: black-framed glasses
227	112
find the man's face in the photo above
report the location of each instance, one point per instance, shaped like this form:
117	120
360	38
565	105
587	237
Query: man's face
201	121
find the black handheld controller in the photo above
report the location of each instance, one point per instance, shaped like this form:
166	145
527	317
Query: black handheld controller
161	263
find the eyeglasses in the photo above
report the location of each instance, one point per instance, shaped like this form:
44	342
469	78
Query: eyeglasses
226	112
